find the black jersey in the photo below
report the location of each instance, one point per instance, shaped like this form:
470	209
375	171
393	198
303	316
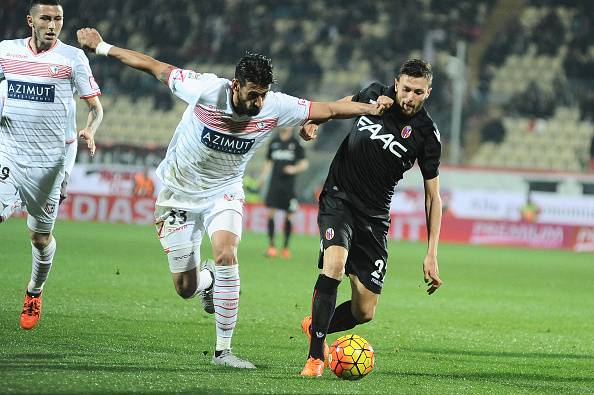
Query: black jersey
283	153
378	150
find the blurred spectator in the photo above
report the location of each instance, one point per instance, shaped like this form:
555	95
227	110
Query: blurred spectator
143	184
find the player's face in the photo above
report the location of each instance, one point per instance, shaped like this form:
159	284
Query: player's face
248	99
46	23
411	93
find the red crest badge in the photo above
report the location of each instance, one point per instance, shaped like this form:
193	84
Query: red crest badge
329	234
406	131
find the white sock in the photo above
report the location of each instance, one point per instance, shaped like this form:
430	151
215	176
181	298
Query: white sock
226	303
204	280
41	265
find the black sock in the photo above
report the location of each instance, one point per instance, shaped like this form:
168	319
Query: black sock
288	229
343	318
271	231
323	303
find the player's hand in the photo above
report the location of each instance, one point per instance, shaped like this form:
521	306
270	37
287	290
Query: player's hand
385	101
88	38
63	188
289	169
431	274
309	131
88	136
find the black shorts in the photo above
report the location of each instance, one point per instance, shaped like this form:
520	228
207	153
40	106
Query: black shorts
282	198
363	236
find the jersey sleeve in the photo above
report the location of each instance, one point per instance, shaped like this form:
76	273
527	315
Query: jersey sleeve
431	155
371	92
188	85
291	110
83	77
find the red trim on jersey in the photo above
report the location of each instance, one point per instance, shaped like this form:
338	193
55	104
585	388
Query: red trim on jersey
224	123
91	95
171	70
40	53
35	69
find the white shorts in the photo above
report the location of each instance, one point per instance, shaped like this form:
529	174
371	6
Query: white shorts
37	188
182	226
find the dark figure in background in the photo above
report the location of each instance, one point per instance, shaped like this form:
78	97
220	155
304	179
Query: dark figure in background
285	159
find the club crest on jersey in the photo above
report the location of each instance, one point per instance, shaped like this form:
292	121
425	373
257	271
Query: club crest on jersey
49	208
329	234
406	131
54	70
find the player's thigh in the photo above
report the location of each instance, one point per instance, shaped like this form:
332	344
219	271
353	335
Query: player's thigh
363	301
335	223
224	222
180	233
368	255
40	194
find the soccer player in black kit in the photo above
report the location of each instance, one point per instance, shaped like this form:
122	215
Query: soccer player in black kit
285	159
354	210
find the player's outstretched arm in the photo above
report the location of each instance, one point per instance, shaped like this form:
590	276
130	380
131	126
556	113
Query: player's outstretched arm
344	106
433	218
90	39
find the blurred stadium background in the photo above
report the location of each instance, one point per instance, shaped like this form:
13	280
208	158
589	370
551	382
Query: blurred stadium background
513	97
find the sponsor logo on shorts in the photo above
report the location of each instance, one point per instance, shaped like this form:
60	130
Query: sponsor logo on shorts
406	131
319	335
175	230
225	143
329	234
49	208
185	256
31	91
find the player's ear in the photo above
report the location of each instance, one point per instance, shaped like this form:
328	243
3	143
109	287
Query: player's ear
235	85
428	93
30	20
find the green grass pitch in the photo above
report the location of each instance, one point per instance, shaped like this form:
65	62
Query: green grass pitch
506	321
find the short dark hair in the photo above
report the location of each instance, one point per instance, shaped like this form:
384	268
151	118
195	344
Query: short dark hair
33	3
416	68
255	68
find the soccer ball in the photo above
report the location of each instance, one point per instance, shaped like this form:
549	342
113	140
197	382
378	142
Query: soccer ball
351	357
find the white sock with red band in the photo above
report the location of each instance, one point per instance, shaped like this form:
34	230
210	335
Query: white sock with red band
226	303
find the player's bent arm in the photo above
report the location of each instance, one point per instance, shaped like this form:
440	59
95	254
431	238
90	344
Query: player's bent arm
323	111
433	214
95	114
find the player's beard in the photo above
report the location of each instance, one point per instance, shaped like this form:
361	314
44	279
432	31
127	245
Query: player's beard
244	110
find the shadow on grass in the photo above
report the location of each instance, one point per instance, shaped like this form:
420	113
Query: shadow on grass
504	354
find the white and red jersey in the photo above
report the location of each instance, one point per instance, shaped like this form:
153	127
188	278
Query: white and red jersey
39	100
212	144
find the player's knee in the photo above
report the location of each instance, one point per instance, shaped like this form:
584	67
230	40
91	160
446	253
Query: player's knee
334	266
226	256
184	286
364	314
40	240
184	291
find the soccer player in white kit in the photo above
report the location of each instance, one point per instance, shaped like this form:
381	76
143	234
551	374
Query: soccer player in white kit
202	173
41	75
